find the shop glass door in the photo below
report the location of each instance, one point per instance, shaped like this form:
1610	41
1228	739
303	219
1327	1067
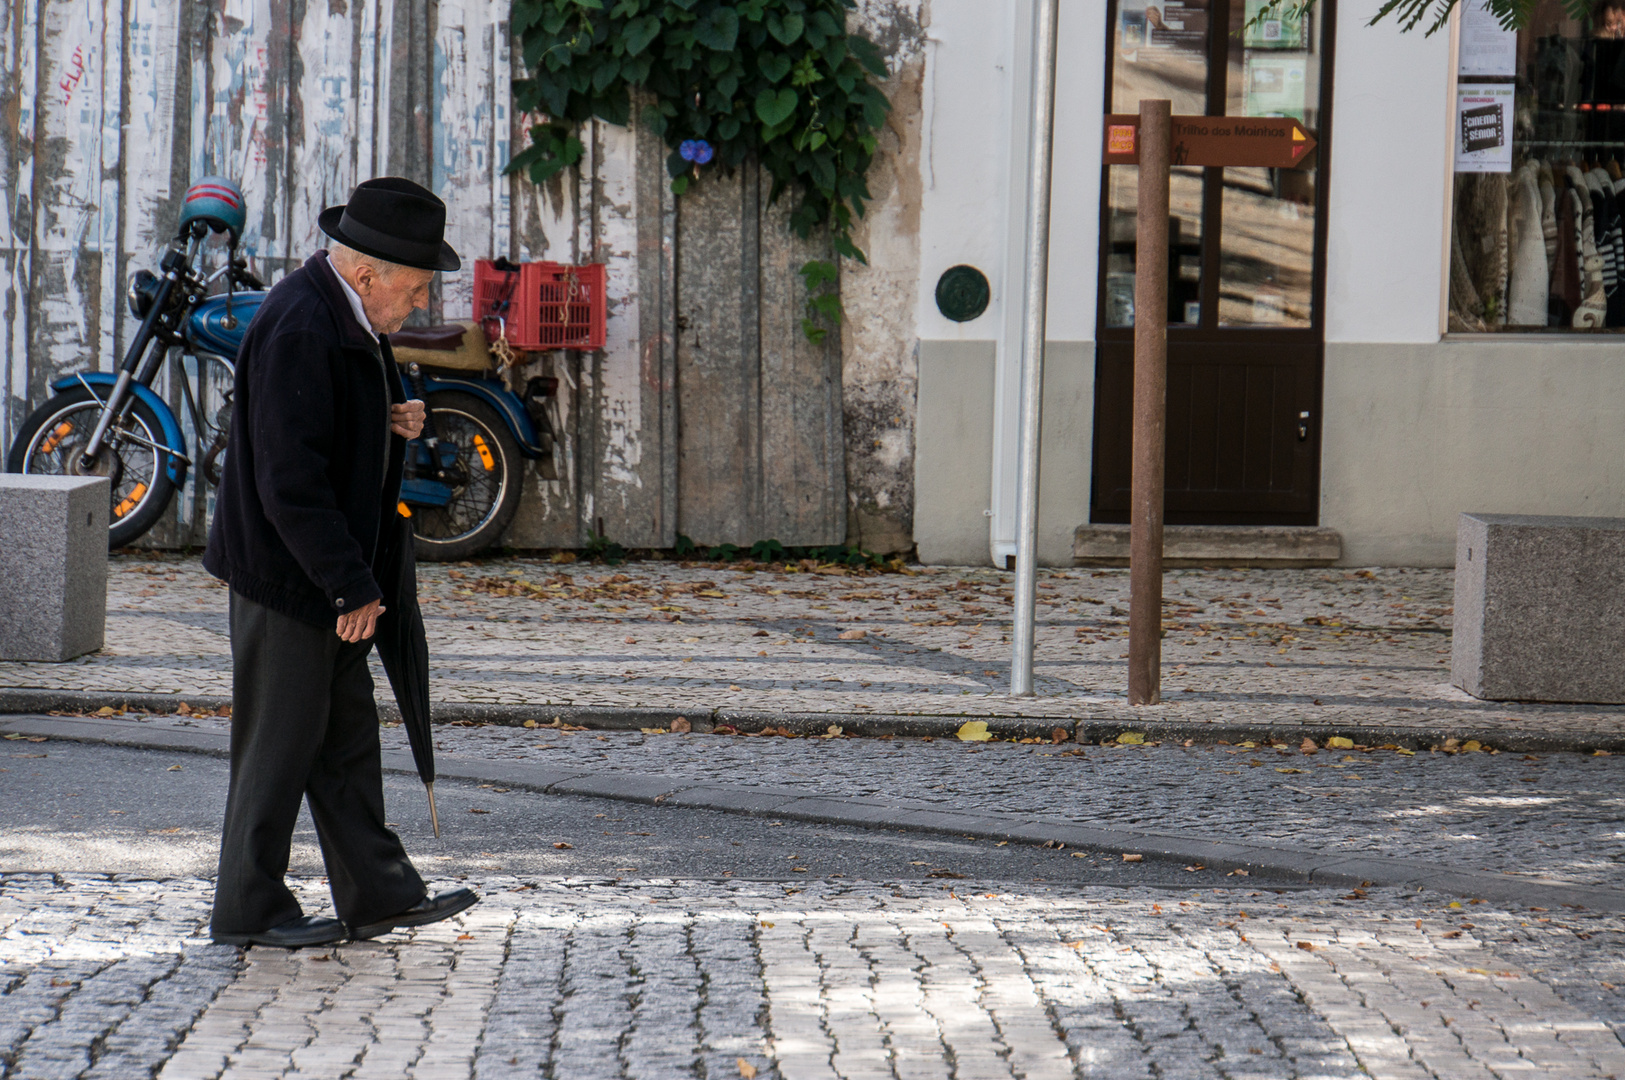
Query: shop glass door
1245	262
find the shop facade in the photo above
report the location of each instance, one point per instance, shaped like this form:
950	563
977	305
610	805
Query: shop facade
1421	321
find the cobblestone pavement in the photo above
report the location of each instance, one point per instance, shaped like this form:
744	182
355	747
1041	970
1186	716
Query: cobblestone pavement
581	979
1278	647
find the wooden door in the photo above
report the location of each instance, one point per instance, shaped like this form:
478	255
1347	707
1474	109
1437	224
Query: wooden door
1246	266
760	449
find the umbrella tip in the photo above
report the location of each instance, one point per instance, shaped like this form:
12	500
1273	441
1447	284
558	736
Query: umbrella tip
434	816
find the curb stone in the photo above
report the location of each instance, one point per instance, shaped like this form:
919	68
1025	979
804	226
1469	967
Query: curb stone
1298	865
1087	730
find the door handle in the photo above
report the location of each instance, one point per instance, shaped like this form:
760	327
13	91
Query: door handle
1303	426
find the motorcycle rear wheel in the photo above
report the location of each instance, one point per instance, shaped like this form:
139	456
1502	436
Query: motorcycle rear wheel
53	436
483	505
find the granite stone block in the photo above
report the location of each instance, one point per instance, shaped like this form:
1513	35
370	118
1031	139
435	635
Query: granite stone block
53	566
1540	608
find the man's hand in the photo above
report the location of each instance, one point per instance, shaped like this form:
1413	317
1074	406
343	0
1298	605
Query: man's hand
358	625
406	420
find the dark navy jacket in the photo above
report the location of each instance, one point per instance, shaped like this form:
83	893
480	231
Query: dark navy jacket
312	474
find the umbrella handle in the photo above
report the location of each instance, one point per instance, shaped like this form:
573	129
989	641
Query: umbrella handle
434	816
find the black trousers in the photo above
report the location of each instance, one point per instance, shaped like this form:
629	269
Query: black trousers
303	725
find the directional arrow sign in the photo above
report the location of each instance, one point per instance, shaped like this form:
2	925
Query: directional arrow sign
1277	142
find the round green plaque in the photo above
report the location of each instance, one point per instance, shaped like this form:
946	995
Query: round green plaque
962	293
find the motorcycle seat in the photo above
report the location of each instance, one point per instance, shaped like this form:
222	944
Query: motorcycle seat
454	345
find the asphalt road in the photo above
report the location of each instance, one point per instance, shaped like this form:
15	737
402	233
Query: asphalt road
82	807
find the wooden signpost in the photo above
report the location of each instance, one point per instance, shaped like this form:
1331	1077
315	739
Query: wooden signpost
1156	140
1275	142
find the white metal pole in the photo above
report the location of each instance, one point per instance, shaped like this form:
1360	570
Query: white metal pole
1035	285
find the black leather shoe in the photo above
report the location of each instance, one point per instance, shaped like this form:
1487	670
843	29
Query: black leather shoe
293	934
430	909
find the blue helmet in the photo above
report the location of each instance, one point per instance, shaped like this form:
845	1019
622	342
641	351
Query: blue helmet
218	203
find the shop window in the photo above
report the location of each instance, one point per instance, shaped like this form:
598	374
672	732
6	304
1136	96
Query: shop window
1536	239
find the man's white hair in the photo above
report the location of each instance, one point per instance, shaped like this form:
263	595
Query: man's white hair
345	258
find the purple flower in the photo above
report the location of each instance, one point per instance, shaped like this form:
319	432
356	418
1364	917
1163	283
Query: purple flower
696	150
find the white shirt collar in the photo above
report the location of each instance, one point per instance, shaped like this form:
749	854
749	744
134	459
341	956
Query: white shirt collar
355	302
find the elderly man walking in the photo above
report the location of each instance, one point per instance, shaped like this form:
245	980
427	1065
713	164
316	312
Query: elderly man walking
306	514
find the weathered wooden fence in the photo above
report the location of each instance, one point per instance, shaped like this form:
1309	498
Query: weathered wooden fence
705	413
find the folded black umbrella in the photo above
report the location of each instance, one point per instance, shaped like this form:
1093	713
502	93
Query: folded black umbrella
403	647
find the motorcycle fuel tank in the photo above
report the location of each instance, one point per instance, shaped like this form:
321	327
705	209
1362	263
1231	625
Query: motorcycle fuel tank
217	324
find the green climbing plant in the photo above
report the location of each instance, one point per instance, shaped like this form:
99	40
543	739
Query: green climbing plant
720	81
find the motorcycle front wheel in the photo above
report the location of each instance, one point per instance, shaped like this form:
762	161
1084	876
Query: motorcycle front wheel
53	438
484	479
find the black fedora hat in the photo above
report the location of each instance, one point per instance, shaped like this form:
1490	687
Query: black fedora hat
394	219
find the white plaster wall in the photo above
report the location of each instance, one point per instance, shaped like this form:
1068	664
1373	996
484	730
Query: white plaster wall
1507	425
973	200
1389	174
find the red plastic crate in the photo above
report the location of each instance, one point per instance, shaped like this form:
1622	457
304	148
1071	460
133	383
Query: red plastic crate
546	305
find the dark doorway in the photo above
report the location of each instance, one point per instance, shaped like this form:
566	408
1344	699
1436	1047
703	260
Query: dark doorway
1246	265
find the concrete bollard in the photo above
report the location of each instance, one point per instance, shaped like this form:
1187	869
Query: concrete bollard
53	566
1540	608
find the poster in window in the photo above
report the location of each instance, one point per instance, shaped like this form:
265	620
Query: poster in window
1274	85
1161	29
1485	46
1484	127
1275	24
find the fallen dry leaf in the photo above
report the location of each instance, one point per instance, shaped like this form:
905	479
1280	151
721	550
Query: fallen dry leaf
653	730
1058	735
106	710
1131	738
183	709
681	726
477	810
1080	854
1306	946
1289	770
630	640
1338	742
941	873
974	731
1193	869
746	1069
834	731
1133	858
1238	873
563	846
465	937
732	686
1308	746
853	635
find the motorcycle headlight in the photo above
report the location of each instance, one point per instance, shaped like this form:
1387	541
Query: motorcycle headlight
143	291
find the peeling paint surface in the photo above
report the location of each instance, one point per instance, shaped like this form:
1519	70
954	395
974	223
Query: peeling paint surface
108	111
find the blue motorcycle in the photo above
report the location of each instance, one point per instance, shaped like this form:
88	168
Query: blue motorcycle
463	475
